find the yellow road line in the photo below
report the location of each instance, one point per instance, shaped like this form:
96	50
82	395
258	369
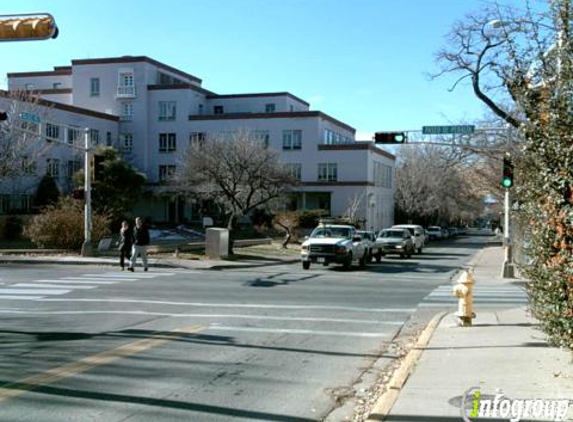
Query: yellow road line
14	389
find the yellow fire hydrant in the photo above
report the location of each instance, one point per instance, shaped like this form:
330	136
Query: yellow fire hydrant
463	289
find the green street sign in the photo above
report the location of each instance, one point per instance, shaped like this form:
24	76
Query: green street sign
448	130
29	117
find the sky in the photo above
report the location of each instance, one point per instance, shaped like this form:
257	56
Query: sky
364	62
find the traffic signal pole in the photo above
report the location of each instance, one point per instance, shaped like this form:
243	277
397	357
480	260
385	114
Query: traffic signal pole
508	269
87	248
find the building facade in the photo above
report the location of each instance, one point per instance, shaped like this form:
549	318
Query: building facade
151	112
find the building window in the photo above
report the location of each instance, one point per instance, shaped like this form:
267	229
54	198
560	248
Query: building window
262	136
52	131
167	142
94	87
108	139
53	167
56	85
270	108
73	135
94	136
333	138
218	109
167	110
126	111
327	172
126	79
382	175
126	85
200	109
292	139
29	87
28	165
126	142
197	138
166	172
73	167
291	108
295	169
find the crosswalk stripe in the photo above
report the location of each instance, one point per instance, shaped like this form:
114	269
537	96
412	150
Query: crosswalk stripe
12	297
34	291
74	281
54	286
80	278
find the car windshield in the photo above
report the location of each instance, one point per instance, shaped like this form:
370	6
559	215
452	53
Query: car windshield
392	233
331	232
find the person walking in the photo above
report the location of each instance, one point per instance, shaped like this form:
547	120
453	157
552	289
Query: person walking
140	242
124	244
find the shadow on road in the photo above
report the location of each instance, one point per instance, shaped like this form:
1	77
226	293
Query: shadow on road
155	402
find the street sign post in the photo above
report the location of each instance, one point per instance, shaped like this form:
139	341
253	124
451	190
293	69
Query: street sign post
448	130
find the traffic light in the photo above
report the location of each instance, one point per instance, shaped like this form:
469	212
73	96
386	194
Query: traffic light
390	137
98	167
507	175
41	26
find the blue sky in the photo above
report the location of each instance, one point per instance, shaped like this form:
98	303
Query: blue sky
364	62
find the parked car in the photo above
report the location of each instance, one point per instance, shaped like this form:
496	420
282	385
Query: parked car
374	245
435	232
396	241
334	243
418	235
453	231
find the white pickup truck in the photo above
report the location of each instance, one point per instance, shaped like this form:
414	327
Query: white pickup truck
334	243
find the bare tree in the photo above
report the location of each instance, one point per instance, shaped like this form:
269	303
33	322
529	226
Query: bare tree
287	221
353	205
19	146
502	52
432	185
236	171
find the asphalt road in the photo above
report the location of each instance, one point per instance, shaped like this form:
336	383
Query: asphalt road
86	343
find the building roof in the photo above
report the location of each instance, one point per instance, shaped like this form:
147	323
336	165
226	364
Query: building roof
67	107
279	115
135	59
262	94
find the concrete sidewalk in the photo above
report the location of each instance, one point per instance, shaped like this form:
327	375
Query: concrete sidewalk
194	264
502	352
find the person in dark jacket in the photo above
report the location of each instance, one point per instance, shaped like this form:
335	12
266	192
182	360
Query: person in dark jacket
124	244
140	242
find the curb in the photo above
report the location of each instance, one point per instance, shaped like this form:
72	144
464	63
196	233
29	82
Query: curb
160	264
385	403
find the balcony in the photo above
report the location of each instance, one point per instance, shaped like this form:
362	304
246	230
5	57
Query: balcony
126	92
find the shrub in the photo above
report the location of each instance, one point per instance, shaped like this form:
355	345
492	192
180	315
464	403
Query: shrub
62	225
309	219
10	227
47	192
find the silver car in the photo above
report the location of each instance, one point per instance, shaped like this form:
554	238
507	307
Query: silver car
396	241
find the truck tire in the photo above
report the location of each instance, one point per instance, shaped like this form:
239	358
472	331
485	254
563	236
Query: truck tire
306	265
348	262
